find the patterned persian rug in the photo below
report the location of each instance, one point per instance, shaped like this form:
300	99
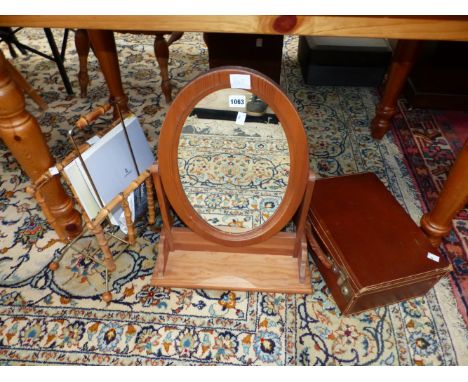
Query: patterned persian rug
58	318
430	145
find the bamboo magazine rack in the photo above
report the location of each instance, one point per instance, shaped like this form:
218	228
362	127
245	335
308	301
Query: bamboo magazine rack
96	224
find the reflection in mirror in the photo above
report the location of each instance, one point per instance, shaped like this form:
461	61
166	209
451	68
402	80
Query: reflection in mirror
233	160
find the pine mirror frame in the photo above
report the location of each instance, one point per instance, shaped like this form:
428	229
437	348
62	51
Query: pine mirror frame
168	146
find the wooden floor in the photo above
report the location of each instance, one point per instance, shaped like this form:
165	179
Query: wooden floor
239	271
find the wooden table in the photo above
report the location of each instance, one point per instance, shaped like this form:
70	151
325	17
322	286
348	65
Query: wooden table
21	132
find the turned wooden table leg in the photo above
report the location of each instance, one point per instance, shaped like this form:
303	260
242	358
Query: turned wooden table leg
82	49
23	137
103	44
402	63
161	51
453	197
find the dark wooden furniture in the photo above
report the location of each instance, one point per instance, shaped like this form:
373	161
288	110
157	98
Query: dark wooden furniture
366	246
263	53
27	142
439	79
202	256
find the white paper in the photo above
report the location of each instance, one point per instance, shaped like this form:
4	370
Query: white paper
237	101
122	220
91	141
53	171
88	198
241	118
240	81
433	257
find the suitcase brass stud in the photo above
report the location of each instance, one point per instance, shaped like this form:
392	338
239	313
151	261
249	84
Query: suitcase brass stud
341	278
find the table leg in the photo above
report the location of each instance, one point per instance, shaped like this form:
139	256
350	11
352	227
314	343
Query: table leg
23	137
453	197
104	48
402	63
82	49
161	51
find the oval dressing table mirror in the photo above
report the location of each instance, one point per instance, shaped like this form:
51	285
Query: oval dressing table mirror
233	165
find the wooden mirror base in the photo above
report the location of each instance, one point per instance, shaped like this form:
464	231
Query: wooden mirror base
198	263
187	260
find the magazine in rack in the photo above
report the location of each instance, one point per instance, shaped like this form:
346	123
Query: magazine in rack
110	164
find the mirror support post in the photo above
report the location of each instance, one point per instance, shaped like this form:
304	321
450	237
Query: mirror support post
165	238
301	216
300	248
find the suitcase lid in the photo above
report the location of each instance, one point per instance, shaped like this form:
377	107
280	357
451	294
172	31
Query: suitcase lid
372	236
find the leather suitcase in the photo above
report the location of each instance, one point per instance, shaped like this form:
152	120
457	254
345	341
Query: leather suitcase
367	248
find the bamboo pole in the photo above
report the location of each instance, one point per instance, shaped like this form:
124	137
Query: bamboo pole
150	199
128	220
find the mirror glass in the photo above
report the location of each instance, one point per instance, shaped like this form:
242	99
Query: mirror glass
233	160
